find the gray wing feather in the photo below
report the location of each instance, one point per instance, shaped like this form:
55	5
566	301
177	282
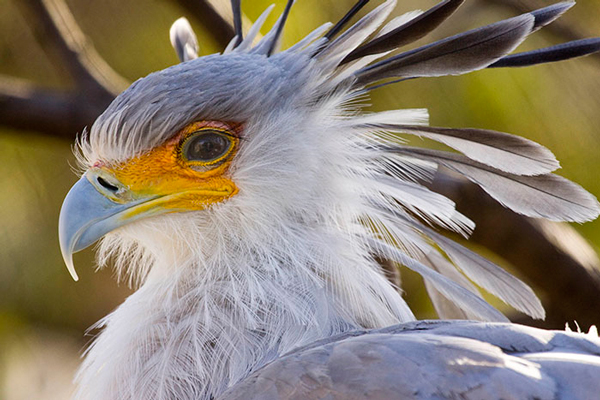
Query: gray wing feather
434	360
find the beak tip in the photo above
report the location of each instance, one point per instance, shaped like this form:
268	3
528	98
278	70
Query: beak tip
72	271
68	258
83	208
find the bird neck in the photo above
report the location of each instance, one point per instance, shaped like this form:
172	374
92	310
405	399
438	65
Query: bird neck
205	318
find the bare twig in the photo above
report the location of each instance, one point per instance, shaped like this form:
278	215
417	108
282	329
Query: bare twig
60	113
54	22
63	113
26	106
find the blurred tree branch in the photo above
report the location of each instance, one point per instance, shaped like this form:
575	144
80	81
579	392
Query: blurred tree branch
61	113
26	106
69	47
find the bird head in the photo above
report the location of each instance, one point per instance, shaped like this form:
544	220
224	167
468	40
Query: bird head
234	143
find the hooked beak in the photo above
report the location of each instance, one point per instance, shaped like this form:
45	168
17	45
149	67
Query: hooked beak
89	212
101	202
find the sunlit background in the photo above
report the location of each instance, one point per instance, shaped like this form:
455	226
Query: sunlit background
44	314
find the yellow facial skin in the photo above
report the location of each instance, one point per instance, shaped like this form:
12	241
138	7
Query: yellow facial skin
168	179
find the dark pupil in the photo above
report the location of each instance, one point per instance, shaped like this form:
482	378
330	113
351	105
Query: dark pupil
207	147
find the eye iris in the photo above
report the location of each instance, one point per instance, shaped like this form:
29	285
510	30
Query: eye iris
207	147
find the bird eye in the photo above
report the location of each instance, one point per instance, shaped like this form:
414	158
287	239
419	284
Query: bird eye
206	146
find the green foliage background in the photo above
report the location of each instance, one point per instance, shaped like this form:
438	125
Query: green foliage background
43	313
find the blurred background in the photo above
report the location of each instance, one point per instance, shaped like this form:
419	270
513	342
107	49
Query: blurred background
56	77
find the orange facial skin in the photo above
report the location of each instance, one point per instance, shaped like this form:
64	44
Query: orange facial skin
165	176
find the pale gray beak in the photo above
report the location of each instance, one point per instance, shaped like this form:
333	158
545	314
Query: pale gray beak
87	214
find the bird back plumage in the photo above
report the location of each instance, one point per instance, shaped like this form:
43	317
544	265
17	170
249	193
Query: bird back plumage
465	360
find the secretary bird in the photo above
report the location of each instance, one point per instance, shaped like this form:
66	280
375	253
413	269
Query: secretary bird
249	198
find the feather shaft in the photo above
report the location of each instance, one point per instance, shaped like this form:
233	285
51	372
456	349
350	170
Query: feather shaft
237	21
339	48
183	40
279	29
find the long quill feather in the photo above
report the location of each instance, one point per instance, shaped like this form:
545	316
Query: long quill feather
409	32
455	55
546	196
506	152
460	296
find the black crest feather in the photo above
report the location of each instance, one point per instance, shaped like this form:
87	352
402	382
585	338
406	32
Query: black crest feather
342	22
281	24
236	8
409	32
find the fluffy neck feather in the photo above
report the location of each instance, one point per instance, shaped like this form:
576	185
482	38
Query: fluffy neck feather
203	319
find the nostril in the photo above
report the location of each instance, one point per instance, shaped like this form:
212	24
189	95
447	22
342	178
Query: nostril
107	185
